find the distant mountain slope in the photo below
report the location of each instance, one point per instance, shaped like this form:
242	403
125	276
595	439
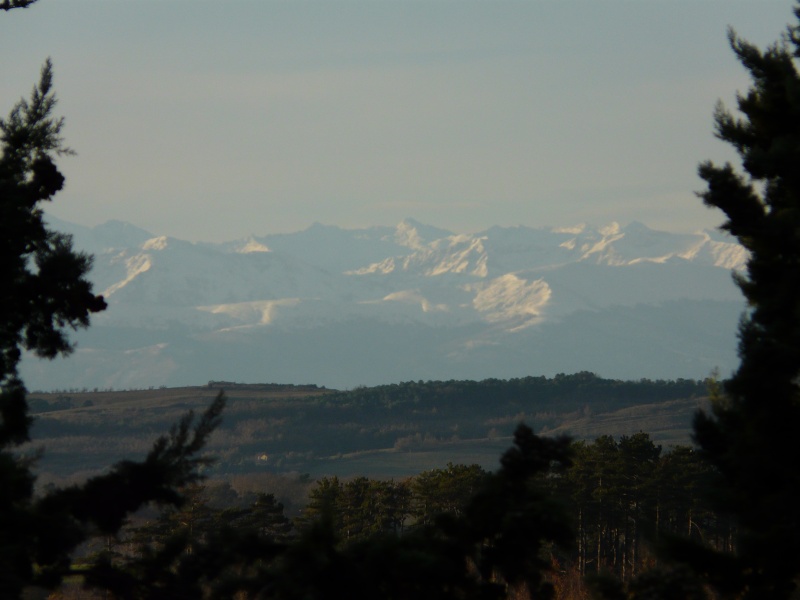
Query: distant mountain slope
343	307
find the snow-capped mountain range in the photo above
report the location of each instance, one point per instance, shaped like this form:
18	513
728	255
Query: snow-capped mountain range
340	307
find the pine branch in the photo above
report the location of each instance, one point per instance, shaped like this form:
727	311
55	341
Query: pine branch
9	4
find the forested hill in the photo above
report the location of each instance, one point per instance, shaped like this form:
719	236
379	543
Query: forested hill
396	429
562	392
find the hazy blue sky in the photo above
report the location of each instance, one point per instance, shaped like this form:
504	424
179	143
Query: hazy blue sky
216	120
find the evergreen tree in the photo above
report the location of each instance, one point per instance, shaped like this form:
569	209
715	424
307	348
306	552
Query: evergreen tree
513	518
493	547
265	516
9	4
750	435
323	500
449	490
45	293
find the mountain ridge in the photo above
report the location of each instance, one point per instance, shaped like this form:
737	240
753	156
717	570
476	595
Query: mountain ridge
468	302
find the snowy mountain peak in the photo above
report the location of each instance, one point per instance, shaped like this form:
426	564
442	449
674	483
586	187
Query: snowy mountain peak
134	266
410	301
462	254
512	299
412	234
406	234
611	229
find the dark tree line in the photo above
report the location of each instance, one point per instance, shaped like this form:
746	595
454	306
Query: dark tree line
362	507
561	391
614	501
621	496
482	537
624	495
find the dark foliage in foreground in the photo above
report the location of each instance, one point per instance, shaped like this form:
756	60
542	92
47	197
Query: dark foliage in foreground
44	294
493	544
750	437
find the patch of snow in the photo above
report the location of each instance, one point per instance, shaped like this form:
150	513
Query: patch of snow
407	235
261	312
384	267
252	246
575	229
728	256
135	266
610	229
156	243
720	252
414	297
603	251
459	254
569	244
512	298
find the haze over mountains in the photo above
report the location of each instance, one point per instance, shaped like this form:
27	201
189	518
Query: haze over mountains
342	308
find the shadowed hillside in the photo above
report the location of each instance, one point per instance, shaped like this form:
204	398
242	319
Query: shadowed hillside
390	430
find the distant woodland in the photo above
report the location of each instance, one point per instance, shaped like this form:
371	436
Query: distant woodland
391	430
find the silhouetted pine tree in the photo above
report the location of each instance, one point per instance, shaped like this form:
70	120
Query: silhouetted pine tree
10	4
44	293
750	437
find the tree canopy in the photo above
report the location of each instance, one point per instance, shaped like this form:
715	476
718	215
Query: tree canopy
45	290
750	435
45	294
10	4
